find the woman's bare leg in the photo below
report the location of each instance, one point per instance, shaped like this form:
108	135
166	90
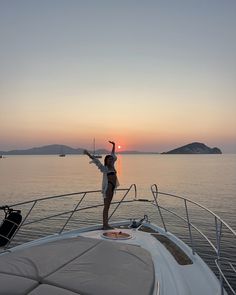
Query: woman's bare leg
107	203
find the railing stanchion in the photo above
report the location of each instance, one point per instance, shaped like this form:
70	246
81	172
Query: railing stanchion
72	213
135	196
189	227
155	194
218	249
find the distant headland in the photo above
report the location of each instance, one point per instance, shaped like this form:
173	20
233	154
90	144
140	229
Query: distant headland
56	149
195	148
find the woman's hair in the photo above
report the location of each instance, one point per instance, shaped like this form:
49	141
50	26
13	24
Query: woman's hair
106	159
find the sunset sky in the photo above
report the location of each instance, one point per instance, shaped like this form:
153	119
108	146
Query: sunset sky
151	75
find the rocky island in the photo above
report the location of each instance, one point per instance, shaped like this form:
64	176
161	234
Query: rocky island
195	148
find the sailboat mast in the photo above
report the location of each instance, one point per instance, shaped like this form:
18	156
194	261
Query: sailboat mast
94	150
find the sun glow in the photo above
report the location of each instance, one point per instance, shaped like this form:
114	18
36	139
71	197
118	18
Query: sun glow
119	147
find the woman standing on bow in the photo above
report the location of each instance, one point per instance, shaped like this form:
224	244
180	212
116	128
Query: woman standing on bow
109	181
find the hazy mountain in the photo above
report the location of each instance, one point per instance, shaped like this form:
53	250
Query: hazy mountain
56	149
53	149
195	148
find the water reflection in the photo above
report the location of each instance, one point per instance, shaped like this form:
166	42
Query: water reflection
208	179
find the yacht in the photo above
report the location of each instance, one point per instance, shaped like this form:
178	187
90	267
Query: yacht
160	244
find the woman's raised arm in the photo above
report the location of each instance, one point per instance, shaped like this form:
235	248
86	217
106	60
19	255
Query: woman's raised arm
113	147
88	154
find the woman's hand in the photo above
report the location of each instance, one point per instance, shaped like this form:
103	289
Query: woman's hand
88	154
112	142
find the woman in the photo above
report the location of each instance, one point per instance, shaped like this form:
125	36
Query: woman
109	182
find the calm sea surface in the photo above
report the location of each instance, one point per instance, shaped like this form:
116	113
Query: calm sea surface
207	179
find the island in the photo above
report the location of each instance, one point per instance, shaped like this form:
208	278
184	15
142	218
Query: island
195	148
56	149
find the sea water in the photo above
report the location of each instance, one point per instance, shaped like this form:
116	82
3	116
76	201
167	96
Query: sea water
206	179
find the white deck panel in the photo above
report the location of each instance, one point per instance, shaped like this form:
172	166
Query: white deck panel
173	278
170	277
79	265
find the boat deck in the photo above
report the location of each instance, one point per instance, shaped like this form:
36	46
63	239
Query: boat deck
77	265
89	263
171	267
177	270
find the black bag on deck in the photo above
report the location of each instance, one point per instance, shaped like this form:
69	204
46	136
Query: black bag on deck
9	225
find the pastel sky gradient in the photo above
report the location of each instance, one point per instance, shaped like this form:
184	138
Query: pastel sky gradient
151	75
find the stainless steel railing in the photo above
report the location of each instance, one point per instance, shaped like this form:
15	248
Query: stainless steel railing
34	203
191	226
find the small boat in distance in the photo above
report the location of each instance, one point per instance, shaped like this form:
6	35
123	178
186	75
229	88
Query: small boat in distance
62	154
94	151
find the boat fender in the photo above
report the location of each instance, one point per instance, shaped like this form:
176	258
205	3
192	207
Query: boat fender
9	225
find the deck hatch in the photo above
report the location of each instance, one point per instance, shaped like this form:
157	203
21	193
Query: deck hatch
175	250
116	235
